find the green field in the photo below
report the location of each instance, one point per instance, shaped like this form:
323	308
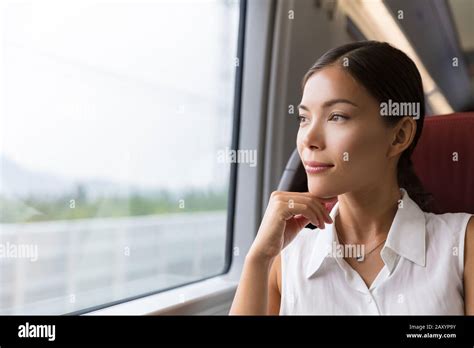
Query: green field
78	205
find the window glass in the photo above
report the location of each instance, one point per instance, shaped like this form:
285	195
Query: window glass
113	116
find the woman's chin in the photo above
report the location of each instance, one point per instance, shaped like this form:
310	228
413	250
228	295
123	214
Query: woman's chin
322	192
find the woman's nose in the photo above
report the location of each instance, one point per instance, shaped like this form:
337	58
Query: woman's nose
314	136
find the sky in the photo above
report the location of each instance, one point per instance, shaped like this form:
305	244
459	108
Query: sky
135	92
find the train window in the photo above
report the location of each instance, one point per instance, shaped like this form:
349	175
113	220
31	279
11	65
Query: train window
114	180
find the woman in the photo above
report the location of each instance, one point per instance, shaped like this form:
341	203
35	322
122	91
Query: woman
379	251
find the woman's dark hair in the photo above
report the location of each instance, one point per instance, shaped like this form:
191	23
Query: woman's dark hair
387	74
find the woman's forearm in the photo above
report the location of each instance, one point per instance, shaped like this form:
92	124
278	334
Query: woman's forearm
251	297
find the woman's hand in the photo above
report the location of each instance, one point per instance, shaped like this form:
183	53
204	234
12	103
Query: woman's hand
287	213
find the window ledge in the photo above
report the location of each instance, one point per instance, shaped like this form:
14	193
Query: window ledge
210	296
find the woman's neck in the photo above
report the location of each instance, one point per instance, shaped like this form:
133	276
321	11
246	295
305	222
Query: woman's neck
367	215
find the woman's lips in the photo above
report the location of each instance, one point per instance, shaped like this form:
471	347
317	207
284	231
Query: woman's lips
316	170
316	167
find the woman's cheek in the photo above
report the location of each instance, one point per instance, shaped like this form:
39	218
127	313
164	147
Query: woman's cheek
344	150
358	157
299	143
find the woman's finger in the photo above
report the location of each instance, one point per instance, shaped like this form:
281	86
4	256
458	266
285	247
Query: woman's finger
303	209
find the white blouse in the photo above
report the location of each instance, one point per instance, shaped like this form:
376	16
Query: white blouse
422	274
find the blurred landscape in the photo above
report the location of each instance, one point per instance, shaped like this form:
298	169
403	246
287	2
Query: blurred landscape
58	199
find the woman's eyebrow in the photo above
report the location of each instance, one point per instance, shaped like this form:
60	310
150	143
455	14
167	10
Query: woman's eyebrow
330	103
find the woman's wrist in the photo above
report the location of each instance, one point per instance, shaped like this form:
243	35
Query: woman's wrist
259	258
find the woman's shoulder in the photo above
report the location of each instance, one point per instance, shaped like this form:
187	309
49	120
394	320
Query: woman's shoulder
451	230
452	222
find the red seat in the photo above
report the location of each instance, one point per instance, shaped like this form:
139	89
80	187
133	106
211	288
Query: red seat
444	161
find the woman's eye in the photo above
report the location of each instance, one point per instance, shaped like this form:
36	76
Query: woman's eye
338	117
301	118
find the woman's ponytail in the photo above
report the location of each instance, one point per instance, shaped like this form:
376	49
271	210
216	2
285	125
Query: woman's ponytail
408	180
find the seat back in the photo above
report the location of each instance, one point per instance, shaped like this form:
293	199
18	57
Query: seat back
444	161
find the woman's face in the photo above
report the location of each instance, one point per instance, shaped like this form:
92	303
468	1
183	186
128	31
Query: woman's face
340	124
